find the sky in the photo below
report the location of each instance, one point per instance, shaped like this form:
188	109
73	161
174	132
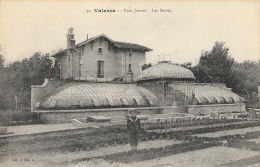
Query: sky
190	26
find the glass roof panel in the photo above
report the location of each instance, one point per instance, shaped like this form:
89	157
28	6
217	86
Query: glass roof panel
88	95
214	93
165	70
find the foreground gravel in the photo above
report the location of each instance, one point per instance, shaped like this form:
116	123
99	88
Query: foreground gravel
55	159
200	158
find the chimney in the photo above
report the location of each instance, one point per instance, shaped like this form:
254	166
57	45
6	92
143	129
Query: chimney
87	36
70	38
202	53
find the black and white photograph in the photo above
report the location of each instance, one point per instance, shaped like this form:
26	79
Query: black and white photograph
129	83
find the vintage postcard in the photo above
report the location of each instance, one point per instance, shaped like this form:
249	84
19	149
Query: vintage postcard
129	83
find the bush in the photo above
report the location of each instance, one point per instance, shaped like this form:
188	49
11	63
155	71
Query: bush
18	116
6	116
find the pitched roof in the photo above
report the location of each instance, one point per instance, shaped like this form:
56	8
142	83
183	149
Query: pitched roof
59	52
131	46
116	43
93	38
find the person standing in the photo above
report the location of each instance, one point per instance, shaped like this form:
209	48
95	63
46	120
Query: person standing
133	127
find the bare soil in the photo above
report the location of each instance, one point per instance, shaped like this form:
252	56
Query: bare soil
200	158
77	138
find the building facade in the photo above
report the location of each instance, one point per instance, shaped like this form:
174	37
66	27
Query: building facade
100	59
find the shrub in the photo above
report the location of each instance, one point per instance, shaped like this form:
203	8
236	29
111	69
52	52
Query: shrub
18	116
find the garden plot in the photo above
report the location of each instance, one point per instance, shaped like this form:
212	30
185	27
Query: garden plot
58	157
229	132
254	165
202	158
256	140
80	144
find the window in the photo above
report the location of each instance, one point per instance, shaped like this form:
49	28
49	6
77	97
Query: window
99	50
129	68
100	69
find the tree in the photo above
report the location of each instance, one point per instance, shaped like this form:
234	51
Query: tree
23	74
215	63
244	79
187	65
145	66
2	60
2	80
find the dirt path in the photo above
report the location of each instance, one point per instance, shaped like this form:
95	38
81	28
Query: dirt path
38	128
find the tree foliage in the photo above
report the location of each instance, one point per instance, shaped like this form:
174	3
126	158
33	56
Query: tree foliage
2	60
187	65
215	63
18	77
245	79
145	66
2	76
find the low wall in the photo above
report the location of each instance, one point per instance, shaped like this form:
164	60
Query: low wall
174	109
66	116
38	91
207	109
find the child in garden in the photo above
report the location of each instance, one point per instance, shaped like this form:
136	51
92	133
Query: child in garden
133	127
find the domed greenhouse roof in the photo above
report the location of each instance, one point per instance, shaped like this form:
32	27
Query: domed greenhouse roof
165	70
101	95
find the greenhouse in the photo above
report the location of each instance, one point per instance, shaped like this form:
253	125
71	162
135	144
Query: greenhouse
206	94
101	95
172	84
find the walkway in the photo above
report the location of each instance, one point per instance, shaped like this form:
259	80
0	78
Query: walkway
37	128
